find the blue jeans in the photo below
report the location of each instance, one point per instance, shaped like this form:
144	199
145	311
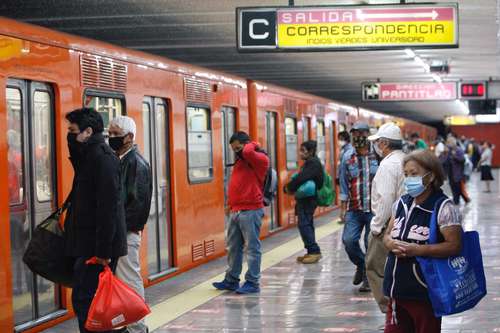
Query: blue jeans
244	227
306	230
355	221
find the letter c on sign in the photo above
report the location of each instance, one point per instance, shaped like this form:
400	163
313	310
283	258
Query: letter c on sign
254	22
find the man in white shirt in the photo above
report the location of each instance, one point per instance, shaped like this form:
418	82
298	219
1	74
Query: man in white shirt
387	187
440	147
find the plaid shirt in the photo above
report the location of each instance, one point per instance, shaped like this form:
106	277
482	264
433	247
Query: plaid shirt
356	175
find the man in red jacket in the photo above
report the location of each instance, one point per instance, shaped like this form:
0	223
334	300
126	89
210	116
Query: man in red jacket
245	202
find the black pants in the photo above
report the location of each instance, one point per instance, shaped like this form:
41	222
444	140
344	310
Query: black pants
457	192
305	215
85	283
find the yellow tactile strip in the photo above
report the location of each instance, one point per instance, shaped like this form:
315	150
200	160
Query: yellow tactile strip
186	301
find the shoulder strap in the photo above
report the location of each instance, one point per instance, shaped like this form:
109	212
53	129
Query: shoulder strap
433	225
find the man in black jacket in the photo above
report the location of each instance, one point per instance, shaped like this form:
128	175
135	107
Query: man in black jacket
305	207
95	225
136	194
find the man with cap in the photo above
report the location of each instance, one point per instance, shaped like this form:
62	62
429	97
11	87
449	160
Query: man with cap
387	187
137	190
357	169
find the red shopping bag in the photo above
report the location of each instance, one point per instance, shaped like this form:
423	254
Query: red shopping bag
115	304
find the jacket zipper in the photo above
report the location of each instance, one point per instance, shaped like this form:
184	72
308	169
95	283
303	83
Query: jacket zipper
407	217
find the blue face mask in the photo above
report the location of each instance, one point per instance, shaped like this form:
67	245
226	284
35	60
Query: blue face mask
414	186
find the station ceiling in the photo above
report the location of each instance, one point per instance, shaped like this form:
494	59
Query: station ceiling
203	32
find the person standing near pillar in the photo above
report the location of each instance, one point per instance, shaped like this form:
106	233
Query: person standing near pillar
387	187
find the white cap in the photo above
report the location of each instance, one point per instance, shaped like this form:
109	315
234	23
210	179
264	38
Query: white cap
387	131
127	124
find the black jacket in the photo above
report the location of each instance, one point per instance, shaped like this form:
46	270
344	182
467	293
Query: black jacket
311	170
95	223
137	189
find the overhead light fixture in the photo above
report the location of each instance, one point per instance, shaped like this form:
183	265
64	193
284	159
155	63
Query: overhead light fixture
410	53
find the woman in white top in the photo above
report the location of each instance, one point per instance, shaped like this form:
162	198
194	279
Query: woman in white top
485	163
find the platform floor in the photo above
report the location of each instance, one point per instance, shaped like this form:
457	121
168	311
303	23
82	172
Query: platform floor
313	298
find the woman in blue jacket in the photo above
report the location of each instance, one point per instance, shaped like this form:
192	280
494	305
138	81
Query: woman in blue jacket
407	236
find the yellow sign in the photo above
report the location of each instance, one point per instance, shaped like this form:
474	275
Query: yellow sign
367	27
459	120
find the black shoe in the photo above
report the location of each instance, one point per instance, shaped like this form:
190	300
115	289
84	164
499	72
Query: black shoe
358	276
365	287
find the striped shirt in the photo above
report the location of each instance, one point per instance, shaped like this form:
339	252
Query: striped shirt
356	175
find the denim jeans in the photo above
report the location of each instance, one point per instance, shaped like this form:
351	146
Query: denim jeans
85	281
306	229
244	228
355	221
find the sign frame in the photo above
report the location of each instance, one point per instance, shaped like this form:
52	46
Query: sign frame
364	83
276	48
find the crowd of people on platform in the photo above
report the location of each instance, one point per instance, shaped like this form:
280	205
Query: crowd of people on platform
388	191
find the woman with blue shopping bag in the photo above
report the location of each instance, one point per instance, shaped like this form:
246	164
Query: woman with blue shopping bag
422	214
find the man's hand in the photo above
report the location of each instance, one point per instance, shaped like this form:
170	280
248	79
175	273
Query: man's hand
342	215
102	261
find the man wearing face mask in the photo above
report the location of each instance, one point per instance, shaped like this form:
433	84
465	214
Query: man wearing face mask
344	140
312	170
357	170
387	187
95	221
245	203
136	194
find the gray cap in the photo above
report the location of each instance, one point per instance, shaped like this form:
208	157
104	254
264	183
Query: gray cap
360	126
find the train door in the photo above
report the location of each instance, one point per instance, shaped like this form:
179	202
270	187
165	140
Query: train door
306	130
32	194
320	137
156	152
228	128
272	148
333	154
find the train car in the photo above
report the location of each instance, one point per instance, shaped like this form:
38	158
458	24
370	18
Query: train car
182	114
185	116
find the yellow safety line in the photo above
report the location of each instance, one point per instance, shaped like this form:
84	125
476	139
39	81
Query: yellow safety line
188	300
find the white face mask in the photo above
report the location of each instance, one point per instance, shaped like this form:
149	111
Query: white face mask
342	143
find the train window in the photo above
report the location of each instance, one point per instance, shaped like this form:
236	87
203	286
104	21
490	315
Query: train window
15	152
306	129
320	134
108	108
43	147
199	142
291	143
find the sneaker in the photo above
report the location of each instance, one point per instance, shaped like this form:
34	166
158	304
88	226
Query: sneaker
365	286
358	276
226	285
311	258
248	288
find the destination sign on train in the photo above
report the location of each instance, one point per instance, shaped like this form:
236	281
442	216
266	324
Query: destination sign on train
409	91
347	27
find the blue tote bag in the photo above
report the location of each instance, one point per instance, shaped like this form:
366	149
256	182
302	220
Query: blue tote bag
457	283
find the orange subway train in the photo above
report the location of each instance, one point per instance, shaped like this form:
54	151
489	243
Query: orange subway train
185	116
